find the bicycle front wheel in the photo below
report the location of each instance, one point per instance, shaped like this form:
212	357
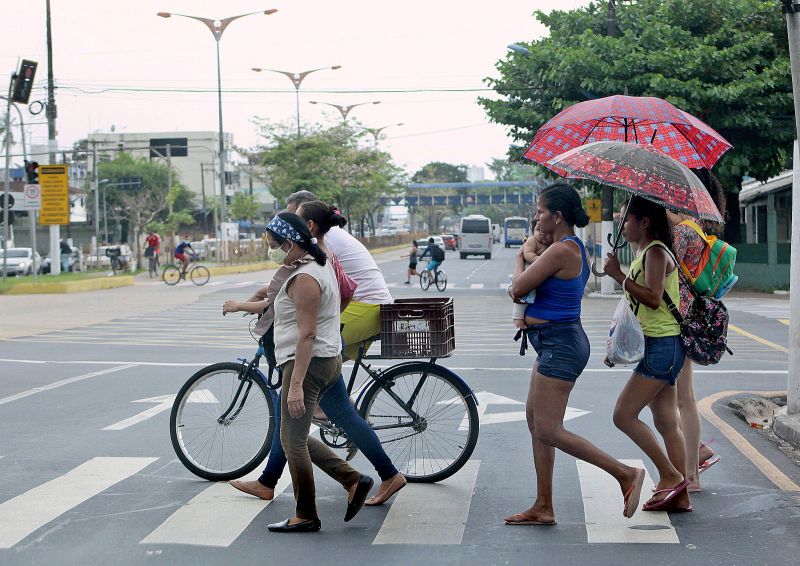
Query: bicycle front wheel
425	280
199	275
221	424
441	280
153	267
425	419
171	275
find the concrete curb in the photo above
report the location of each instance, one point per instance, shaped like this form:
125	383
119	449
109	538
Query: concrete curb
386	249
788	428
82	286
241	268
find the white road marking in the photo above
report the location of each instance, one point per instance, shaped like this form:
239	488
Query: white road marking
163	403
214	517
62	382
476	286
24	514
602	507
431	513
486	398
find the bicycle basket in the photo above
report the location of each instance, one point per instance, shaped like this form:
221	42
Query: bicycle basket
418	328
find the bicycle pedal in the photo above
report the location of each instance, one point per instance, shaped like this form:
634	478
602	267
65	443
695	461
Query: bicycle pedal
352	450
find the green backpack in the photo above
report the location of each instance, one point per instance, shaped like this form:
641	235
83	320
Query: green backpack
714	275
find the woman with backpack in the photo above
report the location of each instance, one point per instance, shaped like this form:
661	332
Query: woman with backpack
652	275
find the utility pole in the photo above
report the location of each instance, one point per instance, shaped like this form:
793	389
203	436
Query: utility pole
792	10
96	183
55	230
6	201
607	195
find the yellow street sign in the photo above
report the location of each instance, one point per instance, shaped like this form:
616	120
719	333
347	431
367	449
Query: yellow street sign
54	183
593	206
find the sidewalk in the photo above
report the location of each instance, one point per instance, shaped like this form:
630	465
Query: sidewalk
25	315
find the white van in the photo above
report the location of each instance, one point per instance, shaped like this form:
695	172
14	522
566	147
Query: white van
476	236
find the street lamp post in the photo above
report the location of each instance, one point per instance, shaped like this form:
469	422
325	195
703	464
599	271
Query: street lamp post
344	110
376	132
297	80
217	28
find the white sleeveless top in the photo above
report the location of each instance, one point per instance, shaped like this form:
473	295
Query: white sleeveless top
328	343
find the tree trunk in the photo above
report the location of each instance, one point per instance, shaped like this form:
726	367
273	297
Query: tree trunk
733	232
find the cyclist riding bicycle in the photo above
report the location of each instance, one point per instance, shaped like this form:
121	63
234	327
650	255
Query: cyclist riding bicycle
153	242
437	256
181	248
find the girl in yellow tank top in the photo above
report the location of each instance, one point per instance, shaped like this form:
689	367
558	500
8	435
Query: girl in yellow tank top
653	272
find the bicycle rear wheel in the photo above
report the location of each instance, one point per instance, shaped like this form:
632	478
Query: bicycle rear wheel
425	419
441	280
171	275
425	279
199	275
221	425
152	267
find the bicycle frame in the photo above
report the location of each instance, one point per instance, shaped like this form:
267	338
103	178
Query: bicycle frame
247	369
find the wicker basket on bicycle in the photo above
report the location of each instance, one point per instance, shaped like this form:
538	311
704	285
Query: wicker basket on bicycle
418	328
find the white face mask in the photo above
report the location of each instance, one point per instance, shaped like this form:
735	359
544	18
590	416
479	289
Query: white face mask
278	255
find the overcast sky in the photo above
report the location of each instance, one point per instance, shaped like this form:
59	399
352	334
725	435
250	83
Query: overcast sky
416	44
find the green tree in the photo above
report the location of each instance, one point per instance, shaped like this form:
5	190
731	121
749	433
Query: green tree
725	61
333	165
150	202
440	172
244	207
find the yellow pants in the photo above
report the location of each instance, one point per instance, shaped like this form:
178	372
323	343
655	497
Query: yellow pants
360	322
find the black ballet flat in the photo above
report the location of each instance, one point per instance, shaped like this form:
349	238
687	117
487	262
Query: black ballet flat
365	484
309	526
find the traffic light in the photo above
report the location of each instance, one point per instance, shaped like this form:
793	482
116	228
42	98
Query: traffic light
31	171
23	81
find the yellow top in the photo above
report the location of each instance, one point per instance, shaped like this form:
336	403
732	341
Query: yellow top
659	322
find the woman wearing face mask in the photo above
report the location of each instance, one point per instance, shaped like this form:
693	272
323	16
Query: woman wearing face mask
336	404
307	349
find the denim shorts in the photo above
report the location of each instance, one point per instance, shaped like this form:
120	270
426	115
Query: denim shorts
663	358
562	348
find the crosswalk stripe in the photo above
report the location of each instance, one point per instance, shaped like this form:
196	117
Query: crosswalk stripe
61	383
476	286
431	513
24	514
602	507
214	517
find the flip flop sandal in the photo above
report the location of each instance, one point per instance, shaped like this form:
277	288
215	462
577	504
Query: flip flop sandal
633	494
523	519
708	463
662	504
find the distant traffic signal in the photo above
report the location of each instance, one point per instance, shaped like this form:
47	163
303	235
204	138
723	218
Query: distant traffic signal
31	171
23	81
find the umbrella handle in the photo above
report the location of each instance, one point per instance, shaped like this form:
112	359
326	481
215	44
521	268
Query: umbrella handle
616	244
594	269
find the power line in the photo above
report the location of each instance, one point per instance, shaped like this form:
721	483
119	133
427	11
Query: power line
106	89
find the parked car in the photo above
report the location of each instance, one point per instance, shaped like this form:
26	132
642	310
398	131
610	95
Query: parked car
76	261
449	242
423	243
22	261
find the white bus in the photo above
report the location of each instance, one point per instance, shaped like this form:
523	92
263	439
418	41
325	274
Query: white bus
515	230
475	236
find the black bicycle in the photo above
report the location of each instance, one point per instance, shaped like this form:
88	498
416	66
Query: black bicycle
426	417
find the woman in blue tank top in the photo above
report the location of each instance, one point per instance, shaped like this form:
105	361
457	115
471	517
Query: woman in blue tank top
555	331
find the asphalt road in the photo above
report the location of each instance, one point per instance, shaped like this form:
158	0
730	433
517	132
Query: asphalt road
75	489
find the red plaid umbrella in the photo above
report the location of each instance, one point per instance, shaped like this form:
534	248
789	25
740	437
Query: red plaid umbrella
637	119
642	170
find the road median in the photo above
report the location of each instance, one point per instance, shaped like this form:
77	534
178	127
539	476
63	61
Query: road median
77	286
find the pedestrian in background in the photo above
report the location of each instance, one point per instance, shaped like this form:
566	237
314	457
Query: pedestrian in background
653	272
65	252
559	277
412	262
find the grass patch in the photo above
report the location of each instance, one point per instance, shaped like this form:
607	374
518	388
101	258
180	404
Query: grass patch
46	278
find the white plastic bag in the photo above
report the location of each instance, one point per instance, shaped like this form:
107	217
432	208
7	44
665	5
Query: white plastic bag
625	337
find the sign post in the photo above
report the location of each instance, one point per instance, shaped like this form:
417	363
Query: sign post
32	203
54	184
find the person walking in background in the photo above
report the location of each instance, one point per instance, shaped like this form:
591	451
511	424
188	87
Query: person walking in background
652	273
412	261
65	252
554	328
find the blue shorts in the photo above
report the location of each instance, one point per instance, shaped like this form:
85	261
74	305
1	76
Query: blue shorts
562	348
433	265
663	358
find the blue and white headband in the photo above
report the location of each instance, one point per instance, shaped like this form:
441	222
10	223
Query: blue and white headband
282	228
